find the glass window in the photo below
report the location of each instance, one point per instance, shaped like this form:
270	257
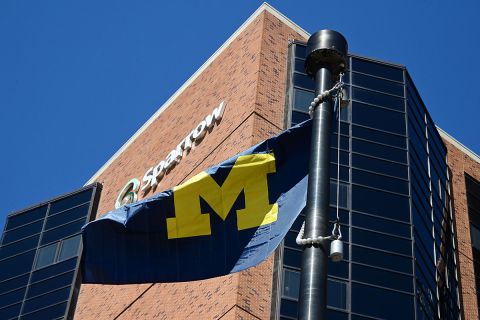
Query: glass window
63	231
11	297
16	265
343	192
344	157
377	69
10	312
19	246
70	201
344	142
378	99
380	203
69	248
379	136
53	270
52	312
50	284
11	284
381	241
298	117
379	151
299	65
377	84
300	51
383	225
46	300
379	181
22	232
303	81
26	217
475	236
381	259
46	256
344	172
380	166
291	283
378	118
336	315
67	216
337	294
302	99
382	277
292	258
381	303
289	308
338	269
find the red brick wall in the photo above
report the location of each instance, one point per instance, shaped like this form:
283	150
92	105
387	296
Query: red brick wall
249	75
460	163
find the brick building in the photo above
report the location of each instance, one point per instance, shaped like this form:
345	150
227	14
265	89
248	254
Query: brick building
422	256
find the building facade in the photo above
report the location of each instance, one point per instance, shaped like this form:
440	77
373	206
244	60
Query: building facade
409	194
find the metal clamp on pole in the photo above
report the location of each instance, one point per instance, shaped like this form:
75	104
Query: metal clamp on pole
326	58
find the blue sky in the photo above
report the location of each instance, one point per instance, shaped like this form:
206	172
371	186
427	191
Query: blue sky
78	78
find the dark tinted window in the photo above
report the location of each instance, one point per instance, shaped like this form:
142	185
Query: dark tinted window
379	136
379	99
16	265
379	151
302	99
380	203
67	216
381	241
382	225
377	84
382	259
379	181
298	117
382	277
378	302
52	312
19	246
378	118
377	69
380	166
10	311
303	81
337	294
51	284
71	201
46	256
63	231
291	283
22	232
26	217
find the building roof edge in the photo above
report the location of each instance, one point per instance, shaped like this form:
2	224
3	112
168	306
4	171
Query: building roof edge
264	7
458	145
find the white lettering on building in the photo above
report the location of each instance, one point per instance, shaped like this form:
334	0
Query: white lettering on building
155	174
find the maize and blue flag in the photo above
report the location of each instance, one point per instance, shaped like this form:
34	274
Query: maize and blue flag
225	219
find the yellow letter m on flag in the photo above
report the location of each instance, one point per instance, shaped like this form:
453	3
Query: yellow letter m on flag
249	173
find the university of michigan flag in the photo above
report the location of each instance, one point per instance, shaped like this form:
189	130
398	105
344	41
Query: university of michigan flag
223	220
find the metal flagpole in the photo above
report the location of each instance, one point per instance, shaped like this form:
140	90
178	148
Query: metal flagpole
326	58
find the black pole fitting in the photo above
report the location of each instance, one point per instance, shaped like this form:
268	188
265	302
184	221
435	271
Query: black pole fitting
326	49
326	58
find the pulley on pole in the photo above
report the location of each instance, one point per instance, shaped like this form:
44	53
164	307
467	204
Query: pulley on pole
326	59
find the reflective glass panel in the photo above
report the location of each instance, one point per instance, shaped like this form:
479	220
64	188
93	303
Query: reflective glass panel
46	256
378	302
69	248
291	283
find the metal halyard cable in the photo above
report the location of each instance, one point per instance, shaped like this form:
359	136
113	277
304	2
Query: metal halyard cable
335	91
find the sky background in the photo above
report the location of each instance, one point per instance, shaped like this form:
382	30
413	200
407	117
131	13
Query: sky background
78	78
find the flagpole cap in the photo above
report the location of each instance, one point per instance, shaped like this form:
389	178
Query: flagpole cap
326	49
